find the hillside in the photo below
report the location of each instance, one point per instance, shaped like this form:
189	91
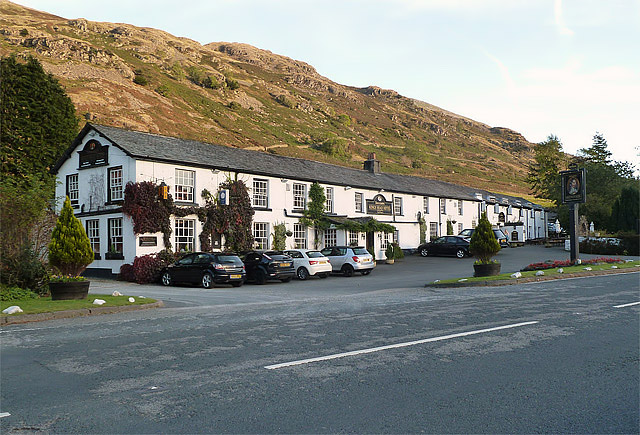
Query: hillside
237	95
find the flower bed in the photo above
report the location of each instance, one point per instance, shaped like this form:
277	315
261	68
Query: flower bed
566	263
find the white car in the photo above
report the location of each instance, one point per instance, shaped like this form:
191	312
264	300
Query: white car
309	262
350	259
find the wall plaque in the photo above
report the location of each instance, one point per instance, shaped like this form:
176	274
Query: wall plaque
379	205
148	241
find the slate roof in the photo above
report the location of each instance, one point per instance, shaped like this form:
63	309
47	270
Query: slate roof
147	146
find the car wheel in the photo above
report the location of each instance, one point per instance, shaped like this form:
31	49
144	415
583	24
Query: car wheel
424	252
286	279
366	272
261	278
166	279
460	253
207	280
323	275
302	273
236	283
347	270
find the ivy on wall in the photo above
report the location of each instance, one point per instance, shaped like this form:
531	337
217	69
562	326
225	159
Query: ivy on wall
151	214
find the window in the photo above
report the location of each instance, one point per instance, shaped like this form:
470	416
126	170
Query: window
354	237
93	232
300	236
115	235
261	235
460	207
329	204
72	189
358	199
443	206
260	193
459	228
433	230
384	240
185	185
114	189
396	236
185	232
397	206
510	210
330	237
496	208
425	205
299	195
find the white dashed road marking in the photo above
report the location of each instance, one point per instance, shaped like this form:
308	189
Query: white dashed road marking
395	346
626	305
4	414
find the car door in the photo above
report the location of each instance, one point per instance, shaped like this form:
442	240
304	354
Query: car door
196	270
182	268
437	247
298	259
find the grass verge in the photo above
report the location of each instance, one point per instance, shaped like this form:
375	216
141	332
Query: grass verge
46	305
547	272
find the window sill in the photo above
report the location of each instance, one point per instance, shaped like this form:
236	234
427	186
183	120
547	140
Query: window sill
186	203
117	202
262	208
113	256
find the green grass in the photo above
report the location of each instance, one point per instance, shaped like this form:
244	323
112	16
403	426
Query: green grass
547	272
46	305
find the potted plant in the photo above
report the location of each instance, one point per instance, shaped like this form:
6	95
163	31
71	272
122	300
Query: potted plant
390	254
483	246
69	253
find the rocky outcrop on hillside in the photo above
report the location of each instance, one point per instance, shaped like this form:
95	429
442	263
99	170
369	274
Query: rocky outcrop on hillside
238	95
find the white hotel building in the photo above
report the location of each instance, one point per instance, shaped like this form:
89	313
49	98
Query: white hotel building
102	160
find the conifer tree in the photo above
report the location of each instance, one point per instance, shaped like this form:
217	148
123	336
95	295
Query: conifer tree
313	214
483	242
70	250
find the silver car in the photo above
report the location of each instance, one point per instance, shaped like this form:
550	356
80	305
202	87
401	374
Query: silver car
309	262
349	259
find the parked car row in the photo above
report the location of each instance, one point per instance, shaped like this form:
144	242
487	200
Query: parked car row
208	269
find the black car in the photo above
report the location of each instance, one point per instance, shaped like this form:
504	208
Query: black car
501	237
264	265
446	245
206	269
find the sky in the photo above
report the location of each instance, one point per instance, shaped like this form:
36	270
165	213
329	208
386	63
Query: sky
569	68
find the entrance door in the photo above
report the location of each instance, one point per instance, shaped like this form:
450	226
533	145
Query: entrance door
370	241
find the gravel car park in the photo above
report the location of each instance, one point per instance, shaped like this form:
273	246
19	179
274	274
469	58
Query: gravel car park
309	262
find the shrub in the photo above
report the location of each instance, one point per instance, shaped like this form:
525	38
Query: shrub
566	263
127	273
163	90
389	253
483	244
25	271
232	83
167	257
279	237
70	250
234	105
147	268
397	252
13	293
630	243
140	80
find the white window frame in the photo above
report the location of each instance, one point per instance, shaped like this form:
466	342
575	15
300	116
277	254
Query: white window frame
299	196
433	230
300	236
93	232
116	243
496	208
460	227
73	190
397	205
185	235
353	238
261	235
115	179
443	206
260	193
330	237
185	183
425	204
328	193
384	241
359	202
460	208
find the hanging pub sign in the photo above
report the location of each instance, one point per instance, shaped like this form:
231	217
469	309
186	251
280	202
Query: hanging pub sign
379	205
574	189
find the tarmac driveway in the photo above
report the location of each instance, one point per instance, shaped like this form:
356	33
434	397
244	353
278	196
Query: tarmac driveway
411	272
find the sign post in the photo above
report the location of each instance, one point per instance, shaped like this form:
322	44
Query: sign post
574	192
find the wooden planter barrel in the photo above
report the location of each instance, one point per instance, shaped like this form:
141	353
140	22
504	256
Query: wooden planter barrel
486	269
69	290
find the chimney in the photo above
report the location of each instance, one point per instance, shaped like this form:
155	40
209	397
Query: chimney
371	164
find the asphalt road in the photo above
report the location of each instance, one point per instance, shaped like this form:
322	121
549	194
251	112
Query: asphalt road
558	356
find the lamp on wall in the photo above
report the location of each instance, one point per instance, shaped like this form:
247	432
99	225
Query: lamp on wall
347	187
215	171
283	180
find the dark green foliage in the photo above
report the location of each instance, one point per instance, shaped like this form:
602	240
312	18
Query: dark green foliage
625	211
629	245
598	152
163	90
69	251
38	120
26	271
141	80
397	251
279	237
544	172
345	120
24	32
234	105
335	147
235	220
313	214
483	244
285	101
12	293
389	252
449	228
232	83
423	230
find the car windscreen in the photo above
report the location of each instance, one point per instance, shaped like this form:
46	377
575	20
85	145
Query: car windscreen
360	251
279	257
229	259
314	254
466	233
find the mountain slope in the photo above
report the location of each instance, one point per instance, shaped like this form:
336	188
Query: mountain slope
237	95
